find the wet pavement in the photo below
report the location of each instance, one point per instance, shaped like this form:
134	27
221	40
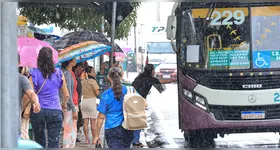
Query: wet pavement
81	137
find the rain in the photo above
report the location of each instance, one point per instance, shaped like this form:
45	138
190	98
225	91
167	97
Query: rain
208	70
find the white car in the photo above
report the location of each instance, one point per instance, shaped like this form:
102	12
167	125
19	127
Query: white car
167	69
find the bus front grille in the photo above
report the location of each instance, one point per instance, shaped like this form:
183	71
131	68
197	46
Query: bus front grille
237	82
234	112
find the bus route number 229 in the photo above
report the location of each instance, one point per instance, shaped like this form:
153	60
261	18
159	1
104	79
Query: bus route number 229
276	97
238	15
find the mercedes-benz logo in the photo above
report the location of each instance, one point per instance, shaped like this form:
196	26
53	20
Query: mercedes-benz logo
252	98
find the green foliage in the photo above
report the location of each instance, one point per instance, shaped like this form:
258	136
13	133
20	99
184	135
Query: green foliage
76	18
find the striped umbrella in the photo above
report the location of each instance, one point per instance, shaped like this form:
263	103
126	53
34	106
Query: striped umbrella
83	51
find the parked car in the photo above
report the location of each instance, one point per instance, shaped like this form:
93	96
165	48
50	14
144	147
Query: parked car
167	69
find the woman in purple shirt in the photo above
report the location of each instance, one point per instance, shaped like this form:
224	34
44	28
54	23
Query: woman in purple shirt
50	81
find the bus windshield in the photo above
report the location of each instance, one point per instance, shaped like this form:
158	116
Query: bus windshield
239	37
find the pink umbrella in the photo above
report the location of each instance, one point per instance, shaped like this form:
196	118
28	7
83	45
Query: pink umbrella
121	54
28	49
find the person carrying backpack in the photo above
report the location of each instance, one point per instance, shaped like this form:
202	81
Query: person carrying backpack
143	84
111	108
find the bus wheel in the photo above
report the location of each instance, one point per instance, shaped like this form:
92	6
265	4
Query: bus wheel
198	139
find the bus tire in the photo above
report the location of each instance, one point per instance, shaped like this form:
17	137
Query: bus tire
198	139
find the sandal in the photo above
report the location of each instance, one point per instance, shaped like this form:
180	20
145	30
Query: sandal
138	145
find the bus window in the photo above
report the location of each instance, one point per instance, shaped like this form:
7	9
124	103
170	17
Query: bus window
265	35
224	41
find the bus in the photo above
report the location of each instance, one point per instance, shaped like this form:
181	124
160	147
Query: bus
228	68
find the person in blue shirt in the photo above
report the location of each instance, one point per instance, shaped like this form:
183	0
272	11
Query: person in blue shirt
111	108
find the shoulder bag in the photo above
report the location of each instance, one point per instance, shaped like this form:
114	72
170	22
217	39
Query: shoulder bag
27	111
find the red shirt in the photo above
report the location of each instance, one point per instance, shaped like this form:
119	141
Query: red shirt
75	93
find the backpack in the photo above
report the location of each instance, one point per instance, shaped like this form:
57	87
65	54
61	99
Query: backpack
134	111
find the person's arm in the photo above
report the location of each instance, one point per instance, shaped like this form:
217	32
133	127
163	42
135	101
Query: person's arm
99	123
70	87
34	100
79	89
165	81
102	108
65	93
95	87
32	95
97	92
26	101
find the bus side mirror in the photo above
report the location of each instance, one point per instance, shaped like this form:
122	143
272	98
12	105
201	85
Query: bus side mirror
171	27
171	31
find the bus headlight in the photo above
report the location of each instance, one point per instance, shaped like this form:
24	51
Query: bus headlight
196	99
200	100
188	94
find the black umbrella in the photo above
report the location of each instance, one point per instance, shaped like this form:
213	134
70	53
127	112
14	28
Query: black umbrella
39	33
83	36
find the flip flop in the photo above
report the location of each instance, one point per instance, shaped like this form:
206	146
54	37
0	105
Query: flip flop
138	145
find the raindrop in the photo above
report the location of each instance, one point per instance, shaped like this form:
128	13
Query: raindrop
120	18
57	15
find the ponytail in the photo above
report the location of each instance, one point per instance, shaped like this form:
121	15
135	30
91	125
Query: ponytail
115	74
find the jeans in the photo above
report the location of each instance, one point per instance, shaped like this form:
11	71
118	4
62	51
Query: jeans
50	119
136	135
118	137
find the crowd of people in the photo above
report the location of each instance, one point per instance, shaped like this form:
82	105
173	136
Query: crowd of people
63	100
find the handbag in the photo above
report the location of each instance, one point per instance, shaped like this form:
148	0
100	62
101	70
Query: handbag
24	128
27	111
160	87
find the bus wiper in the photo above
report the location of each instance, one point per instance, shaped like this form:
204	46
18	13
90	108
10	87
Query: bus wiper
208	16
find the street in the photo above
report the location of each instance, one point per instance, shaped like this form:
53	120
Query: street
166	106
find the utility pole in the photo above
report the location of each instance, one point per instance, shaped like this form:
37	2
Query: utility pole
158	11
9	76
102	32
135	48
113	26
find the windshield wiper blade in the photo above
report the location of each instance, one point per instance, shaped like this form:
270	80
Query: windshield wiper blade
208	16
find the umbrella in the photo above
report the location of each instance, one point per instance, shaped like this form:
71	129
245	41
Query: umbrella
121	54
37	30
118	54
39	33
83	51
55	37
23	30
83	36
28	49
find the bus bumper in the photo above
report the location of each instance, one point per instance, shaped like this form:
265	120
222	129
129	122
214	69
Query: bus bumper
194	118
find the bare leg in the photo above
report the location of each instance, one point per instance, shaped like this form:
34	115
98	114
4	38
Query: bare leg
86	121
93	129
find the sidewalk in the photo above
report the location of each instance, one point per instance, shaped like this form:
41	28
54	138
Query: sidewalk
81	137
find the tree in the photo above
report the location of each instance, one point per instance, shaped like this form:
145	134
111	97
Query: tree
77	16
